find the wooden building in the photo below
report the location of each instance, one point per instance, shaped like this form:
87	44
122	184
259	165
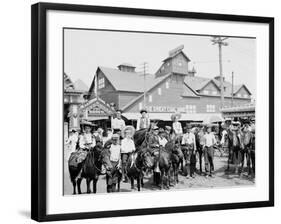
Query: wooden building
174	87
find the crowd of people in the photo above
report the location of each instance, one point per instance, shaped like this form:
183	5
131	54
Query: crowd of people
199	140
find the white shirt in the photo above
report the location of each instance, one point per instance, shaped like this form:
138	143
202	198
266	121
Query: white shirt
117	123
143	122
115	153
189	138
210	139
224	132
88	139
177	128
127	145
162	141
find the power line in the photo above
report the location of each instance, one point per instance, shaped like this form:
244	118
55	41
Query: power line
220	42
144	74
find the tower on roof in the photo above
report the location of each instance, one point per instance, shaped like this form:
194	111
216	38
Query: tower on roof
126	67
192	72
176	63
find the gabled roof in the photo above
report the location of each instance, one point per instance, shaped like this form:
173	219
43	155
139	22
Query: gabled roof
80	85
237	88
198	83
129	81
160	80
188	92
174	55
228	87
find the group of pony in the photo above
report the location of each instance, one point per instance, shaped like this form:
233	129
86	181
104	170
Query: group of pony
171	159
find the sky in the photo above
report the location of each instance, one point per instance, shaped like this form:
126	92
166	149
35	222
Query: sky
85	50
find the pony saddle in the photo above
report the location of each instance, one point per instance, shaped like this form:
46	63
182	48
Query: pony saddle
77	157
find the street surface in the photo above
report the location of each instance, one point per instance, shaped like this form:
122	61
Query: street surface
220	179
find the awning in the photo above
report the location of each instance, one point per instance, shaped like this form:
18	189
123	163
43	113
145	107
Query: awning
212	117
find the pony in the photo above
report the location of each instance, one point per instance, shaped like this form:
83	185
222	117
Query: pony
113	172
89	168
176	158
136	164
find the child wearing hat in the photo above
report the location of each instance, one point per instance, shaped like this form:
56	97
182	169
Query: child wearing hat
115	151
87	140
127	148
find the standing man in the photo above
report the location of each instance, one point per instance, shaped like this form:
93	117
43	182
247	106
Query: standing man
208	147
117	123
127	148
189	142
143	121
87	140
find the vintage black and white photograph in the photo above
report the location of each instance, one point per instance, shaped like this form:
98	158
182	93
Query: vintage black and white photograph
150	111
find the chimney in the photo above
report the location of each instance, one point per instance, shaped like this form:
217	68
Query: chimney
126	67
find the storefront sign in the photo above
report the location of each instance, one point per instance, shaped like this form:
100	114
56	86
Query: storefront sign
166	109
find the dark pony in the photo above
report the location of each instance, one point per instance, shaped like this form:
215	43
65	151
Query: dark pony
136	164
176	158
165	164
90	169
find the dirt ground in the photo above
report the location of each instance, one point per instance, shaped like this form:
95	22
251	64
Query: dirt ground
219	179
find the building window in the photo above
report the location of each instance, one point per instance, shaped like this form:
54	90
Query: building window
159	91
245	95
101	83
180	64
214	92
190	109
150	98
239	94
206	92
211	108
167	85
140	106
168	64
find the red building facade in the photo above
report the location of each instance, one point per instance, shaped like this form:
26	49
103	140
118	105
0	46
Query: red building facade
174	87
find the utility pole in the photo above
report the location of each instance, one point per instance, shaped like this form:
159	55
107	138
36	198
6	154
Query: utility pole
220	42
144	74
232	84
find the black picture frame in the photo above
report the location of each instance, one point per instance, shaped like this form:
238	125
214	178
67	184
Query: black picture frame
39	122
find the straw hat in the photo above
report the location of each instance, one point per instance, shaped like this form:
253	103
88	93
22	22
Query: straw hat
143	110
130	128
173	116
